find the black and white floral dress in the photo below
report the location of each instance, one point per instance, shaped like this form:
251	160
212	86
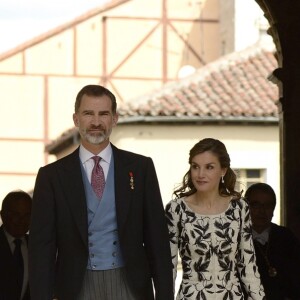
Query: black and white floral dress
216	251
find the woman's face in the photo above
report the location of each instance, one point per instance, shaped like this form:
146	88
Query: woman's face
206	172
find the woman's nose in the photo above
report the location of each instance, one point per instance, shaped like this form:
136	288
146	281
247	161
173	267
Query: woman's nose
201	172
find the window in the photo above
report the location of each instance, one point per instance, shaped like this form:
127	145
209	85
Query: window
246	177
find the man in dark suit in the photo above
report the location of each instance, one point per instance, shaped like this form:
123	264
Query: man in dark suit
276	247
15	215
104	242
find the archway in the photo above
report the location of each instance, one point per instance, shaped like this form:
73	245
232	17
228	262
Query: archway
284	20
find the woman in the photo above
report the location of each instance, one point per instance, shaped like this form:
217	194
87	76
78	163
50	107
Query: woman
210	226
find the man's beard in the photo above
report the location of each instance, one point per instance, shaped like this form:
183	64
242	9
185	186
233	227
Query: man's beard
95	139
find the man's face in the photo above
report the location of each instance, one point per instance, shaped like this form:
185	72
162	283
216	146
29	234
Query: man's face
261	208
95	120
16	217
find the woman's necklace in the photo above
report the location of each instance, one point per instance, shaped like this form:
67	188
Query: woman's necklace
264	251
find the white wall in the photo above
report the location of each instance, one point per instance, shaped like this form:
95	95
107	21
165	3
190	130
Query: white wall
242	24
169	146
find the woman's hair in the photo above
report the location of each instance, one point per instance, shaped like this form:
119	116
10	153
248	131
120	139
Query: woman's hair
217	148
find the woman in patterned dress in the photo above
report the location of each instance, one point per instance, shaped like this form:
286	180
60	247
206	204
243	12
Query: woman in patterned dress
210	227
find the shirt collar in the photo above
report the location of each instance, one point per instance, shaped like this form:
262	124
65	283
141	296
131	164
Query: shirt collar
11	238
262	237
105	154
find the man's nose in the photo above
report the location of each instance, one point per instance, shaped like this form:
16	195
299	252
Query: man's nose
96	120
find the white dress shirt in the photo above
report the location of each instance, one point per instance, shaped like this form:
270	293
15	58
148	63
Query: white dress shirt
262	237
24	250
88	162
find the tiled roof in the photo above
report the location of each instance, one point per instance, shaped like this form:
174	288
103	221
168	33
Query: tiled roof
234	86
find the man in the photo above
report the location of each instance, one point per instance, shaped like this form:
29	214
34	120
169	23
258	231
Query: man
277	249
104	242
15	215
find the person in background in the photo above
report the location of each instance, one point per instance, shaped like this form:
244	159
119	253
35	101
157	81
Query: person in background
15	215
209	225
98	229
277	248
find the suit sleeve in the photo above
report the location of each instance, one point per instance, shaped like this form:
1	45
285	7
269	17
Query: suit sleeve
42	239
156	237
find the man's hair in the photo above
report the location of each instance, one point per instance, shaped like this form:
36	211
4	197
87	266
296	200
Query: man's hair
260	187
98	91
14	196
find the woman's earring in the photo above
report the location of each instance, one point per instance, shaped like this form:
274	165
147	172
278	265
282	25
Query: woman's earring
223	182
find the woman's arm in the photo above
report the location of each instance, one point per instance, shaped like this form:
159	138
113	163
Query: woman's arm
172	215
247	267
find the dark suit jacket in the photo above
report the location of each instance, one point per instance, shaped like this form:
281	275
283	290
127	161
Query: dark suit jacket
58	246
284	256
8	276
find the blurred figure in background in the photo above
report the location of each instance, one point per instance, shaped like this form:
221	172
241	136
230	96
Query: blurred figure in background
277	249
15	215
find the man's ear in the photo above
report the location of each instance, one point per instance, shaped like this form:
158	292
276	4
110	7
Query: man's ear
115	119
75	120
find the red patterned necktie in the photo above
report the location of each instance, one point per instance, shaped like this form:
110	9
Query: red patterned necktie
97	179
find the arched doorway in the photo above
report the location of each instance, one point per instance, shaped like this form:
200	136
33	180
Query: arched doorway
284	20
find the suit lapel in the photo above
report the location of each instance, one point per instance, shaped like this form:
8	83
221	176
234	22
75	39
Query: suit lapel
71	178
123	192
5	251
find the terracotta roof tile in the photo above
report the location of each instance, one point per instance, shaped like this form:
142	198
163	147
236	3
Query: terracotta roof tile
235	85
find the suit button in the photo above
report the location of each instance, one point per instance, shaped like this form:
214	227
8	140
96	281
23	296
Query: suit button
115	242
114	254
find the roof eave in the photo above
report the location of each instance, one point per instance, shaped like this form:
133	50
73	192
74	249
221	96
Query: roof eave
73	136
197	119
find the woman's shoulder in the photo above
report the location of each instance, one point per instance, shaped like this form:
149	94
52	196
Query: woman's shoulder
174	204
241	202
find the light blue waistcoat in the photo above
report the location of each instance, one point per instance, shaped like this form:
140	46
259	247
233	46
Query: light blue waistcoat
103	239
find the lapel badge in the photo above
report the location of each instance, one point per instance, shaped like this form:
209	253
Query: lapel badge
131	182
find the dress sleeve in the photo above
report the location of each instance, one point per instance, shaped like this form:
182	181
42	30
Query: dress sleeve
247	267
172	214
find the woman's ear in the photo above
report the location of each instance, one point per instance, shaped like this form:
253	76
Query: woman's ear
224	170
